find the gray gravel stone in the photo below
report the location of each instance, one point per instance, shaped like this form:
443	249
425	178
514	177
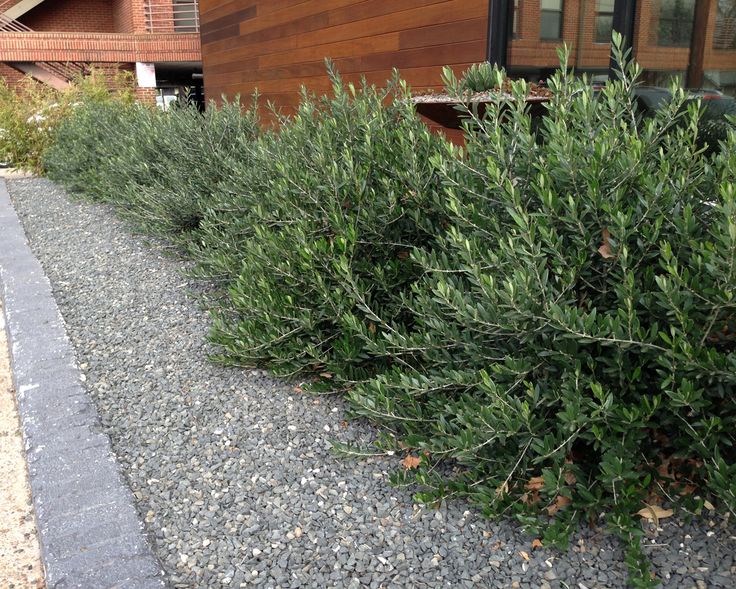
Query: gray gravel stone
227	464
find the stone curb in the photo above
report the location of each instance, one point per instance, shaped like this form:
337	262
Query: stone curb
89	531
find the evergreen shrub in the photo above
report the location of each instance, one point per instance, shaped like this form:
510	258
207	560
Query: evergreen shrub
312	237
573	350
544	319
159	168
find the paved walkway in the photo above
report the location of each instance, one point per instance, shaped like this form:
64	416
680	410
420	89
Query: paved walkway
20	555
90	534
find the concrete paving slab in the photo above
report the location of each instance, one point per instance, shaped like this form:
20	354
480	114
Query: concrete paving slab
89	531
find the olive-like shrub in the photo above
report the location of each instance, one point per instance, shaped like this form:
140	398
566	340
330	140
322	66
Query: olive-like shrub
574	342
311	237
158	168
544	320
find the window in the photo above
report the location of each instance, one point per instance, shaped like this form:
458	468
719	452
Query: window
604	20
185	16
724	36
550	24
675	22
515	20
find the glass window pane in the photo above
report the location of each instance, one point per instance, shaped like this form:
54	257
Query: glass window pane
603	28
675	22
605	5
550	26
551	4
724	35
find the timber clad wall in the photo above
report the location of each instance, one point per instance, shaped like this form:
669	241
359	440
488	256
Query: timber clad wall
278	45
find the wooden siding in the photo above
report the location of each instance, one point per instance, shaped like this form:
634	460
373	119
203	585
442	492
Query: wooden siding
275	46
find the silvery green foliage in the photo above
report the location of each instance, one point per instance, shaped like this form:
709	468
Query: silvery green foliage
159	168
311	237
546	316
577	319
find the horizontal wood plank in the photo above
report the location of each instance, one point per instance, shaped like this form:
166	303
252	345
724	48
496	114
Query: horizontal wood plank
281	45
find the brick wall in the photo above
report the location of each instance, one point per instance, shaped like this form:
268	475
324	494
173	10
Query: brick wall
146	95
11	76
109	34
122	15
99	47
90	16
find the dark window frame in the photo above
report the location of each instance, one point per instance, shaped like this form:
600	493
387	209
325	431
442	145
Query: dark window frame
561	25
677	26
603	13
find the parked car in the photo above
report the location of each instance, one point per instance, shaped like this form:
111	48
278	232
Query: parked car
714	122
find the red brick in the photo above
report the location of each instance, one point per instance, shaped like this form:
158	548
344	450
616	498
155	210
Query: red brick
107	33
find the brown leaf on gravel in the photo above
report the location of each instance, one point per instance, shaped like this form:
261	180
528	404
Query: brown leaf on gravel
605	249
524	555
411	462
654	513
537	543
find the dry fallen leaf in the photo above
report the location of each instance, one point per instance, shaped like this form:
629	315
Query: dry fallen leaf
688	490
502	490
654	512
326	374
524	555
534	484
411	462
664	469
605	249
570	477
537	543
708	505
560	502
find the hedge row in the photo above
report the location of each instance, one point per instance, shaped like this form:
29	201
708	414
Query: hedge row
543	321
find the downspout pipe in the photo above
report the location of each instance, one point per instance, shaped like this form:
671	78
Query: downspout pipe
499	26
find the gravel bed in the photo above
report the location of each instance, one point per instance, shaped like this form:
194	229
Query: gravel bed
232	470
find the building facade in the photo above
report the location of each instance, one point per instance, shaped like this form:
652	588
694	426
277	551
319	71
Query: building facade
275	46
55	40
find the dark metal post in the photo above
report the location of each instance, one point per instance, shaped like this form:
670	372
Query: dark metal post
499	24
624	15
695	76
